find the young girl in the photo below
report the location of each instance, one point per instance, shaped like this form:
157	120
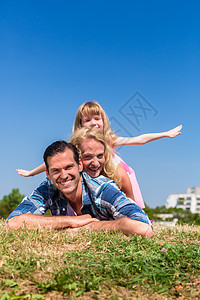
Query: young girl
91	114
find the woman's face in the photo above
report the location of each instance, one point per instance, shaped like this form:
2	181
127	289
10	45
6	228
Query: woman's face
93	158
92	121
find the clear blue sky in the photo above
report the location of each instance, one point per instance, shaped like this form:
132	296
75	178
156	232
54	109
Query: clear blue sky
55	55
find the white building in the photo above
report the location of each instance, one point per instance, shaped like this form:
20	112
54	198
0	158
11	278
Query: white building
189	201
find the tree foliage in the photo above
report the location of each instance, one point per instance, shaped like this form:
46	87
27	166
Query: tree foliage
10	202
183	216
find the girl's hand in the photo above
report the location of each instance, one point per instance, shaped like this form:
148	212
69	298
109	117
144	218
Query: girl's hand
174	132
24	173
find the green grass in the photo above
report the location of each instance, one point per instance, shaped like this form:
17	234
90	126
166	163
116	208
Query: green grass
98	265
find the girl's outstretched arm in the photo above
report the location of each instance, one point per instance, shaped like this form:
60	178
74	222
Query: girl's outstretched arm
33	172
146	138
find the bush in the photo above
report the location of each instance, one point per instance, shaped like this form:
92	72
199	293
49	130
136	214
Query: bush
10	202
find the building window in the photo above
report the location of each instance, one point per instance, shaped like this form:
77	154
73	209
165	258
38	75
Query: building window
180	201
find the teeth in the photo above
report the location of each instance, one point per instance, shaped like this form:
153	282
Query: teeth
66	182
94	169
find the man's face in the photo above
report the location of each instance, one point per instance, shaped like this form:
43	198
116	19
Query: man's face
93	158
64	171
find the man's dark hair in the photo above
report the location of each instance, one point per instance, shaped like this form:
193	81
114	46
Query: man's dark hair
59	147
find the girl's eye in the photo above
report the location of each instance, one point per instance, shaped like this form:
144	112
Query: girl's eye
100	156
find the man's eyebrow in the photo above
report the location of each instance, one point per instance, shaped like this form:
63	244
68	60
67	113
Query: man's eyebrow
70	165
53	169
67	166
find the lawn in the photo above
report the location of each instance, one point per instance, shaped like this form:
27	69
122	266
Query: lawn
67	264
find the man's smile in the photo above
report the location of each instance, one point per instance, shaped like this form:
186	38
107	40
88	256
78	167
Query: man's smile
67	182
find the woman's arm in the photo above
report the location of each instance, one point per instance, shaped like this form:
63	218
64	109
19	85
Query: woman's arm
126	187
146	138
33	172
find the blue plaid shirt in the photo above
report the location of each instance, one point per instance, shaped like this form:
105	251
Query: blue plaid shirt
101	198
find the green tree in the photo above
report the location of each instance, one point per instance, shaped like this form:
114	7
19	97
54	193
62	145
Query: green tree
183	216
10	202
5	210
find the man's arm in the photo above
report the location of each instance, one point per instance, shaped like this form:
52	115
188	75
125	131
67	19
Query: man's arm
122	213
124	225
32	221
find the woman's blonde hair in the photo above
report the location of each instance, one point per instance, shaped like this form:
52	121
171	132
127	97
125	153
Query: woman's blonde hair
109	169
94	108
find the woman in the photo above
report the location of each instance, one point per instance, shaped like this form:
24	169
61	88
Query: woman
97	158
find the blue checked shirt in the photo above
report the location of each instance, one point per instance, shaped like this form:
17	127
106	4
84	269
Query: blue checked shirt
101	198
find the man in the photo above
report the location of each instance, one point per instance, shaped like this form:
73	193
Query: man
77	200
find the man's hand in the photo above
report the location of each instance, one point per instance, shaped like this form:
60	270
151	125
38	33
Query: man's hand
80	221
